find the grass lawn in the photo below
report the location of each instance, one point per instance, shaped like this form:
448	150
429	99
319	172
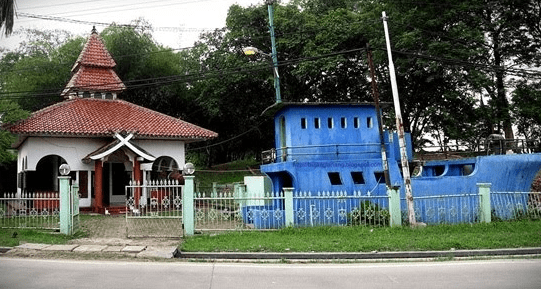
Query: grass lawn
15	237
524	233
8	238
225	173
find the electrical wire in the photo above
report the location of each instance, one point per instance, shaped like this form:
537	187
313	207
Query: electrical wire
126	7
171	79
139	83
161	29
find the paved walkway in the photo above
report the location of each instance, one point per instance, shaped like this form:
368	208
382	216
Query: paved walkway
135	250
107	235
111	230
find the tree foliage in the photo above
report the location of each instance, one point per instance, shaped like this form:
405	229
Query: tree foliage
458	63
7	15
10	112
35	74
527	109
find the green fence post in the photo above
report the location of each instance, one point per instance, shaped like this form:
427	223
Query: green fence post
239	190
288	206
394	206
188	206
484	203
65	205
214	190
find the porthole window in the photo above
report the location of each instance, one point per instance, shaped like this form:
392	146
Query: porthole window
343	122
303	123
369	122
380	177
316	123
334	178
358	178
356	123
330	123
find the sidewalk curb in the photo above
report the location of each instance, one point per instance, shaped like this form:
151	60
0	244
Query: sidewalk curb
172	252
137	251
359	256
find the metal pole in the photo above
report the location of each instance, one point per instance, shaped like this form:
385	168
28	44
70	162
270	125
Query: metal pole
274	56
375	95
400	129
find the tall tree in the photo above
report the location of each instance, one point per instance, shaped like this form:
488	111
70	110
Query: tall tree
36	73
10	112
7	15
527	108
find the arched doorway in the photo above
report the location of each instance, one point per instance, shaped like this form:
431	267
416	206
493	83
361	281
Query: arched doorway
164	168
45	177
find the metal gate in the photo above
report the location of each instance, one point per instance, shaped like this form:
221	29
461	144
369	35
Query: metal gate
154	209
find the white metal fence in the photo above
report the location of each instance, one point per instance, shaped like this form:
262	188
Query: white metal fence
515	205
445	209
340	208
232	211
238	211
30	210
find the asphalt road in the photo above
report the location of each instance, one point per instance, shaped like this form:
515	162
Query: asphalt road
32	273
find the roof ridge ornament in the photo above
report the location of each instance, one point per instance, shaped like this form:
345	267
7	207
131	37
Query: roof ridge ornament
120	142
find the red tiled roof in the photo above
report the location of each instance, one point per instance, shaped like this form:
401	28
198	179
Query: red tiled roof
103	117
93	70
89	78
94	53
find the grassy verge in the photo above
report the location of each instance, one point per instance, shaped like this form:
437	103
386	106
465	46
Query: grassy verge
517	234
15	237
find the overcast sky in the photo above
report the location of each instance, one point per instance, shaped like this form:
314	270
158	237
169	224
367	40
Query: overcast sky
187	16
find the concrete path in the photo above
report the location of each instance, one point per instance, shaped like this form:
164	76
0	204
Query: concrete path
137	251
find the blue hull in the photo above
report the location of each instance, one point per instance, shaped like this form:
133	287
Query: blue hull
457	180
505	173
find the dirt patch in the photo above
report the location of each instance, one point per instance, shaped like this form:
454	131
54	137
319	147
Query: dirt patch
111	230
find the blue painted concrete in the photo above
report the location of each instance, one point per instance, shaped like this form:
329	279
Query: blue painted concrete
335	147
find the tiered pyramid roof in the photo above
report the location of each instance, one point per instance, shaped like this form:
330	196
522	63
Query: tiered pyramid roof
97	117
94	70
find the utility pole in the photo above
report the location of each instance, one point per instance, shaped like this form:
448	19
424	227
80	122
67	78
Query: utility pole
273	53
375	95
400	129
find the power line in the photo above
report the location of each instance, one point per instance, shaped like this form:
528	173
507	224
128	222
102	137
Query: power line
512	71
62	19
61	4
138	83
166	80
127	7
303	32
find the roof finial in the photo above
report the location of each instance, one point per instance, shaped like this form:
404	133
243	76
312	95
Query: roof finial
94	30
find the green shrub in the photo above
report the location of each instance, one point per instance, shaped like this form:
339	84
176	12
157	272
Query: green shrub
369	214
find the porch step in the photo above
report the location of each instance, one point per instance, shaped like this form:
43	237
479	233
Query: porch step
85	209
116	210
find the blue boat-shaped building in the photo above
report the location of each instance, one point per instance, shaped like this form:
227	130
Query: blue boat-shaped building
322	147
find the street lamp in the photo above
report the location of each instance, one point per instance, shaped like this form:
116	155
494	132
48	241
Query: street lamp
251	51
